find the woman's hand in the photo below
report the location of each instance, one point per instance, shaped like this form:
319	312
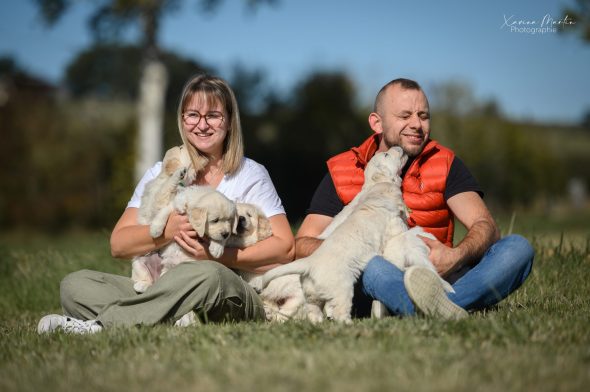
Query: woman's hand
178	223
197	247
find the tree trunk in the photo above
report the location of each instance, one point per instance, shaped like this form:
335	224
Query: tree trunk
150	111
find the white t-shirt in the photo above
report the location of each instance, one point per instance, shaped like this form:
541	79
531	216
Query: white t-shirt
250	184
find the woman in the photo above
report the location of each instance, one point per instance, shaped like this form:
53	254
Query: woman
209	124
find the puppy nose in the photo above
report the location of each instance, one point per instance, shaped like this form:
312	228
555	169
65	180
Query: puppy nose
225	234
242	221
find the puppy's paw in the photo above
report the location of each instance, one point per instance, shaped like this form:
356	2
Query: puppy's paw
156	230
256	283
187	320
216	249
141	286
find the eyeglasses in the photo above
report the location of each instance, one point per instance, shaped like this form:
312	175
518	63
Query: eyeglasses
213	119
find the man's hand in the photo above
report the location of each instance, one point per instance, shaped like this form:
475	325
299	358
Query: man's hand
306	241
444	259
470	210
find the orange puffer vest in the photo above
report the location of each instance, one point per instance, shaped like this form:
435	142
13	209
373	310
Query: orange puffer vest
423	185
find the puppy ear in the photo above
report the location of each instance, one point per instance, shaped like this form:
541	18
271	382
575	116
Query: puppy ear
172	160
264	229
234	226
198	218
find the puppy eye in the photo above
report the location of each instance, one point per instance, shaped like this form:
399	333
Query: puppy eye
215	220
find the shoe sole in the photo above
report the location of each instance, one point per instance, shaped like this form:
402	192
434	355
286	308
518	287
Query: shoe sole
428	295
378	310
50	323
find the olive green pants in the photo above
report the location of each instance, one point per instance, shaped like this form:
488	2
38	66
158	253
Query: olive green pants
210	289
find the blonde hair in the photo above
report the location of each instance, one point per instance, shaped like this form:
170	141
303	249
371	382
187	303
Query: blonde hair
214	90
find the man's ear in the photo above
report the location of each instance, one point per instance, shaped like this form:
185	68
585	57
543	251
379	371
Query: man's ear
375	122
198	219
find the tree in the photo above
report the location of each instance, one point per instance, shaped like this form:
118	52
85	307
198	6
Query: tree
577	19
106	23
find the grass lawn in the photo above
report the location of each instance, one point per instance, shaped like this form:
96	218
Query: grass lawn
536	340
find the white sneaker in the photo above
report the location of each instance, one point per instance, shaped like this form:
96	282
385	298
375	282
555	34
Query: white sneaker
428	294
53	322
187	320
378	310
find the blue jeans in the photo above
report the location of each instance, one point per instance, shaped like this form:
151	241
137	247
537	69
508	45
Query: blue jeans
503	268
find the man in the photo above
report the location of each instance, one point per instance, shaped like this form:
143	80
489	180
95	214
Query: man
437	188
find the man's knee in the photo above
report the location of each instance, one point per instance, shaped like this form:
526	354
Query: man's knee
379	272
522	251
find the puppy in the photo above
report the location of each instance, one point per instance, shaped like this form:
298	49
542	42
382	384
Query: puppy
160	191
283	298
406	249
212	215
383	167
328	275
159	194
252	226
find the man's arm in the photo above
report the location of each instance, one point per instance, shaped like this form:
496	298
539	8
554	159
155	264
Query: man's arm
306	241
482	232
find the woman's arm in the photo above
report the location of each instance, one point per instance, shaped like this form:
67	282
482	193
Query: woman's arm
277	249
130	239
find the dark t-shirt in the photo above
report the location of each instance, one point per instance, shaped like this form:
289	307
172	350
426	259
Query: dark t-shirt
325	200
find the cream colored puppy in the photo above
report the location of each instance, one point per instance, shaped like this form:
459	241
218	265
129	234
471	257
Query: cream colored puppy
252	226
283	298
212	215
160	191
159	194
328	275
383	167
404	250
356	234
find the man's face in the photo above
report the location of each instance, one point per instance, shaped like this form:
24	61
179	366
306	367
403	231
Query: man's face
403	117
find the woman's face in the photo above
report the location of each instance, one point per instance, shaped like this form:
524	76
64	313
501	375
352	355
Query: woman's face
205	126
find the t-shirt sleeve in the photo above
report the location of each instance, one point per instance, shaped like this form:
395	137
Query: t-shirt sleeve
461	180
149	175
325	200
261	192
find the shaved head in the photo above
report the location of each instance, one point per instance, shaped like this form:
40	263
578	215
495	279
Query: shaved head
405	84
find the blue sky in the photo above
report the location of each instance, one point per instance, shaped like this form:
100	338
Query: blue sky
543	77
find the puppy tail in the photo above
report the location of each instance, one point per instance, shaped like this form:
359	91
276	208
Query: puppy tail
298	267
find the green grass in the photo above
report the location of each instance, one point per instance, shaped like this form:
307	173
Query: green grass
536	340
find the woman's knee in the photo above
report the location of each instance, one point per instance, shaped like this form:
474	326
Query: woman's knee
216	276
71	287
